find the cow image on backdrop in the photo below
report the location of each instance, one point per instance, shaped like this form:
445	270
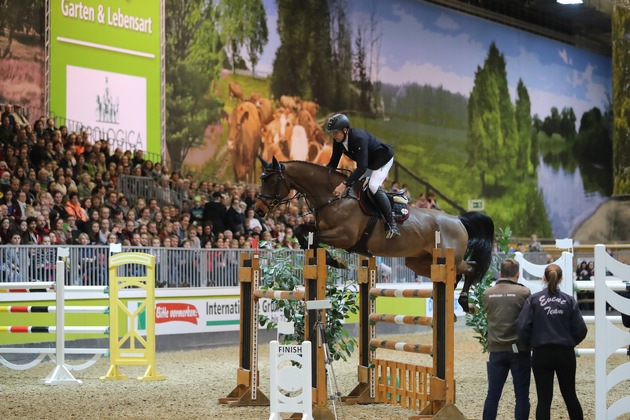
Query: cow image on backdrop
341	223
244	141
288	131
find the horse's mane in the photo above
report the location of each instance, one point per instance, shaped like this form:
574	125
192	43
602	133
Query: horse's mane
317	165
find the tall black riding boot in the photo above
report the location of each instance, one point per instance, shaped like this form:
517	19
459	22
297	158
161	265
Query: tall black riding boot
386	208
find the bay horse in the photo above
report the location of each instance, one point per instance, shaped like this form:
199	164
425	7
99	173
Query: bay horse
340	222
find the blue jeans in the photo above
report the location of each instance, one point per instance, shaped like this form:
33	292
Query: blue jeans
500	363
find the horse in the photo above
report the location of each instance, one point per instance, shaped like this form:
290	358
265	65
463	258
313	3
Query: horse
341	223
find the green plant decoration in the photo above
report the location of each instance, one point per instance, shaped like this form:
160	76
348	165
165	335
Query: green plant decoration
283	271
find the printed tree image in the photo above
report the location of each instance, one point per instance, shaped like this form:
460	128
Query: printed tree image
492	132
194	54
243	23
524	129
303	65
621	98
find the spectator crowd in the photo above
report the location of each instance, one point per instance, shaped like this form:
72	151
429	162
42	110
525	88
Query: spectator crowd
58	188
56	185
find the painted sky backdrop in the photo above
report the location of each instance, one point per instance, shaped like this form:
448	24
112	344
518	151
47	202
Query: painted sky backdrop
427	44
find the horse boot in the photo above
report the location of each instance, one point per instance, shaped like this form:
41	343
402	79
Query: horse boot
386	209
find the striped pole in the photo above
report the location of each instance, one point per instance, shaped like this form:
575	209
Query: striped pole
402	319
402	293
279	294
22	286
53	309
31	329
400	346
49	287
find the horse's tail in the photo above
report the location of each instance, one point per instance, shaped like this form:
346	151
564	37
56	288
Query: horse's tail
480	230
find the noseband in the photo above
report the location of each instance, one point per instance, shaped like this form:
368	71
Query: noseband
273	201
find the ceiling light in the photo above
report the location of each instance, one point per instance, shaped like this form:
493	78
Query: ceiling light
569	1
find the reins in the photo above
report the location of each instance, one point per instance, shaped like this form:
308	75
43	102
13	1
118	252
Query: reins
271	202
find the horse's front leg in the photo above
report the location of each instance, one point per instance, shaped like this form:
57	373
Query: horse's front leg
301	233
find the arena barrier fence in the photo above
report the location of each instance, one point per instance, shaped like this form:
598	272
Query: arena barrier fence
609	337
535	272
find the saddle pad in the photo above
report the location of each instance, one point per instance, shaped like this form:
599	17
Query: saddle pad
399	208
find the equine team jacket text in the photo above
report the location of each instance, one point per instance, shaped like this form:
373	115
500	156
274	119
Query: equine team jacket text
363	148
551	319
503	303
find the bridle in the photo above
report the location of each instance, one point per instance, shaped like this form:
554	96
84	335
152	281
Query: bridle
273	201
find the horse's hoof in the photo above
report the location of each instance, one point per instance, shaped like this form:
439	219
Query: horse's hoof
342	264
336	262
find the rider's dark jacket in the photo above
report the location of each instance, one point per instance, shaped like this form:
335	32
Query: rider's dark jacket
363	148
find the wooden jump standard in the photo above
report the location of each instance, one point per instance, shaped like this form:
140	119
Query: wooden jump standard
246	392
430	390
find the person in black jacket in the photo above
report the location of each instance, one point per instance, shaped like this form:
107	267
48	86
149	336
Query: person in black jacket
373	157
214	211
552	323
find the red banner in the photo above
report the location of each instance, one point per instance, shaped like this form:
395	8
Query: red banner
169	312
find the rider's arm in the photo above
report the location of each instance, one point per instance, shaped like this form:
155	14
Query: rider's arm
361	158
336	156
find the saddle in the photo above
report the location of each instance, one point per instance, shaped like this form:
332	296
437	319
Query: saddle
399	202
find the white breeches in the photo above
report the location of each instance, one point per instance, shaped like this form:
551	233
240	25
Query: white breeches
378	176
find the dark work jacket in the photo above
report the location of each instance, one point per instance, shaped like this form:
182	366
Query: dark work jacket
551	319
363	148
503	303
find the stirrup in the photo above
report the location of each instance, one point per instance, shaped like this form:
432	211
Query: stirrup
392	233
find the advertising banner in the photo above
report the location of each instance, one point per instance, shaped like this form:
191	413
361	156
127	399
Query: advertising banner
185	316
105	70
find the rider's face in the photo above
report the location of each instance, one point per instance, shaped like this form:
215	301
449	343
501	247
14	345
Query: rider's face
339	135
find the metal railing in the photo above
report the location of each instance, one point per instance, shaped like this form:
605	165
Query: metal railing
175	267
180	267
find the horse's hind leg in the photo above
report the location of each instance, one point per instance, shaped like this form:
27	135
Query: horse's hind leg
420	265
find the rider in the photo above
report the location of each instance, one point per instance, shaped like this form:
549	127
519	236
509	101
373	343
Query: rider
373	157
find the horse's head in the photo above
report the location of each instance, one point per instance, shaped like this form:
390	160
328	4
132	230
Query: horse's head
274	186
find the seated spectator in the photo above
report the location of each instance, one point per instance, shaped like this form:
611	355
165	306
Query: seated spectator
8	200
432	201
6	230
74	209
235	217
422	202
84	187
197	210
582	272
535	245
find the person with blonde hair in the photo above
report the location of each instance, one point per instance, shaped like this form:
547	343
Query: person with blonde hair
552	323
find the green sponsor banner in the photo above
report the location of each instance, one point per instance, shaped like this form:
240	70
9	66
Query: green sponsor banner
105	69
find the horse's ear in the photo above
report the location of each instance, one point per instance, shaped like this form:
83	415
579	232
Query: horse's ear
264	163
275	164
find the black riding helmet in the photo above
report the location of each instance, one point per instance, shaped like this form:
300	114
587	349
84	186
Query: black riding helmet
337	122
